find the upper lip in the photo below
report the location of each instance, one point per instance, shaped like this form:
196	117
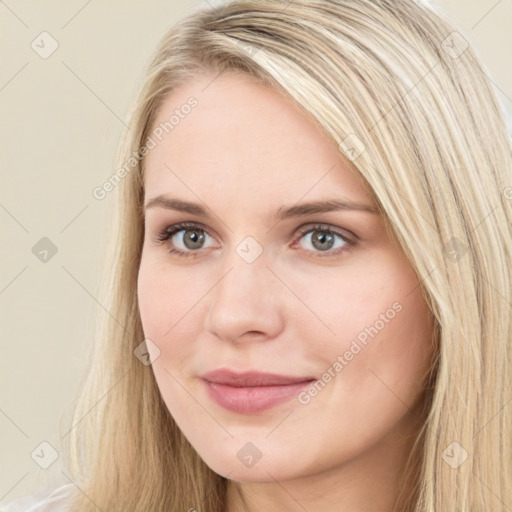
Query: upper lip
251	378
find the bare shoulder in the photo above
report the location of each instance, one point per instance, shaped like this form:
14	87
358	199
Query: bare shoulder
54	499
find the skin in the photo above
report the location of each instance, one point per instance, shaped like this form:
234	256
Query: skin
242	153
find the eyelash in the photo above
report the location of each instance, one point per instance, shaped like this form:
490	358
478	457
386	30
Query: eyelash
169	231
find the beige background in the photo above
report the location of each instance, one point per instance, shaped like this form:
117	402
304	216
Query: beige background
61	119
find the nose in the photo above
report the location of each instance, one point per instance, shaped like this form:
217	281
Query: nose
246	303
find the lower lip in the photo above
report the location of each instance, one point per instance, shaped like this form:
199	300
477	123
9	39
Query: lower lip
251	400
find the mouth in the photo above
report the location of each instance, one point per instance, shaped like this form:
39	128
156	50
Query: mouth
252	392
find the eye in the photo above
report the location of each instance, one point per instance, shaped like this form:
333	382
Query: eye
188	238
322	239
185	244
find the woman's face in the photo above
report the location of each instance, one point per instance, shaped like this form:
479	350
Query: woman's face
317	293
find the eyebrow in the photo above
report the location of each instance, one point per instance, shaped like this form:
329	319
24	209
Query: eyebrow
280	214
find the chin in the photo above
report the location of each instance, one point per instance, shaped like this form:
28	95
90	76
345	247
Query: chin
248	464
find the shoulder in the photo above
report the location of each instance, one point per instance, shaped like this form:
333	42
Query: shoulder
54	499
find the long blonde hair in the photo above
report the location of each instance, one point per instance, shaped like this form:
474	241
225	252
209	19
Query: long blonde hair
408	101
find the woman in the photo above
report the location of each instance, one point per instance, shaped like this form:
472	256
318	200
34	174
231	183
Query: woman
308	286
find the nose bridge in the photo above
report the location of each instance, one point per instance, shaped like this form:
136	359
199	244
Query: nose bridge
246	273
244	300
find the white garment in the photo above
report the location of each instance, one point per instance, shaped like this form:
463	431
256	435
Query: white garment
54	499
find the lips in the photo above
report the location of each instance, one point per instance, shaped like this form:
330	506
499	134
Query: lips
250	379
252	392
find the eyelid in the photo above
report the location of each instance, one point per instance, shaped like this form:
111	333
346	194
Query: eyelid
310	226
164	235
301	229
180	226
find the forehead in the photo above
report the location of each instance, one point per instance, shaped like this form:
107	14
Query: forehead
243	141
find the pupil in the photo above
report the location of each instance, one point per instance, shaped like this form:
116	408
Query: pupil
320	238
194	238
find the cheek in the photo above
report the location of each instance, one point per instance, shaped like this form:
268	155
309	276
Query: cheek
170	310
351	299
156	301
149	294
380	326
376	384
403	356
164	296
164	317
